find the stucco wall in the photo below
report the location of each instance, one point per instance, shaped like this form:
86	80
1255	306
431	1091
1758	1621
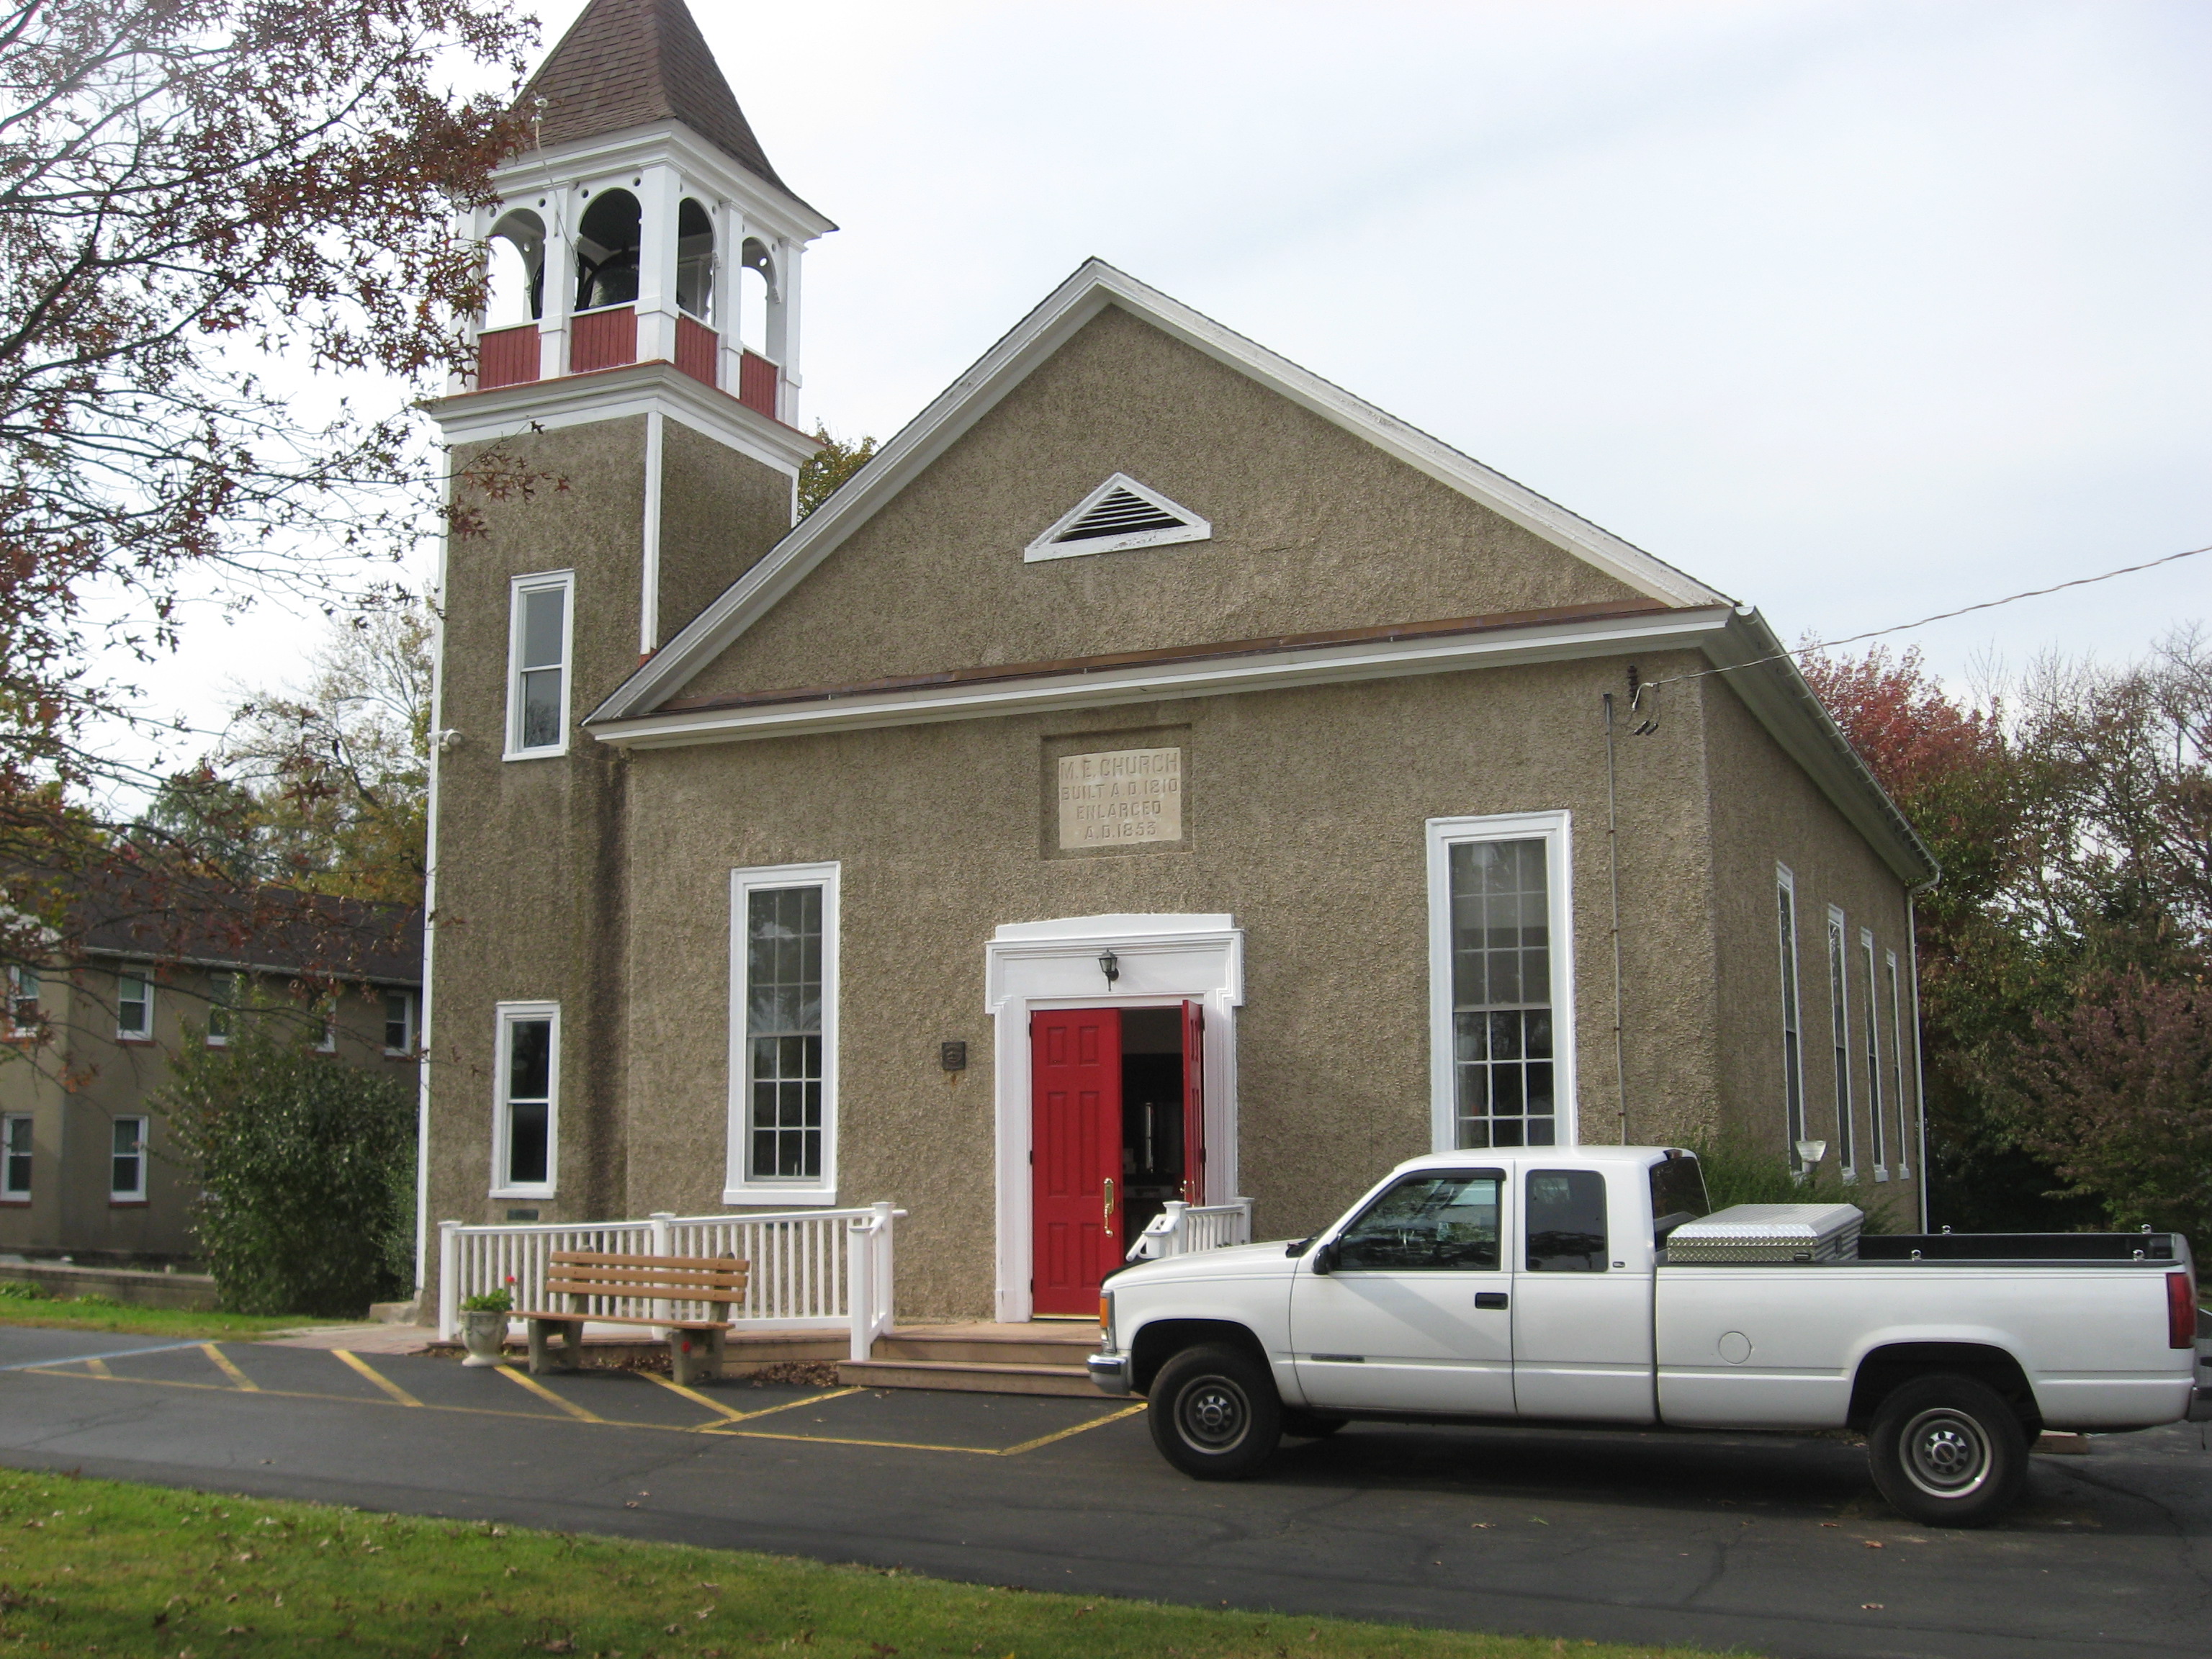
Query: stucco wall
1306	823
719	513
1313	529
1767	812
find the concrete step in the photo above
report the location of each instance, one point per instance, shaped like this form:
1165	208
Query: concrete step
967	1377
1020	1344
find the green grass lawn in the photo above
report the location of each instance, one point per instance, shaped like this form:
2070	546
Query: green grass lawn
97	1567
97	1313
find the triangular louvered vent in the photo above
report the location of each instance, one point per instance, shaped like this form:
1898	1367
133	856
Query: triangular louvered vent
1119	513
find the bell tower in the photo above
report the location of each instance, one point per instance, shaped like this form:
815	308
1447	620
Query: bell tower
638	371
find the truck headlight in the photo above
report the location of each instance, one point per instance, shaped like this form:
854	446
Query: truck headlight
1106	1321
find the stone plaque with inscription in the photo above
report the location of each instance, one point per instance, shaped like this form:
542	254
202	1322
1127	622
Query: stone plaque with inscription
1126	796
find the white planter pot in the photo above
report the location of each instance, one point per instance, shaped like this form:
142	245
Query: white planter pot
486	1335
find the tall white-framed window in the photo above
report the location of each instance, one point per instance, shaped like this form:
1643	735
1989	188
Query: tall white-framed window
24	1015
1897	1067
783	1035
15	1158
399	1022
134	1007
225	996
526	1101
1839	1026
1793	1023
1501	982
1870	990
126	1163
541	628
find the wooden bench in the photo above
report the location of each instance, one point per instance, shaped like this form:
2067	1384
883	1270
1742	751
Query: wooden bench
695	1345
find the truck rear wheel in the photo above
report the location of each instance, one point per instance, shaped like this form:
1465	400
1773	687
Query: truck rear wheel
1947	1451
1215	1413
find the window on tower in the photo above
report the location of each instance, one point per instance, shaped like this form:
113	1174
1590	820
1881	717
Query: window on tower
607	241
695	261
517	254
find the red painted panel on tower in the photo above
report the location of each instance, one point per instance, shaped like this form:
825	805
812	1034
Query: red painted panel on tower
697	346
1076	1104
507	356
757	379
603	339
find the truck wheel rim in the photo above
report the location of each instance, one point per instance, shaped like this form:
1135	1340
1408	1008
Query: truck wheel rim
1945	1453
1212	1414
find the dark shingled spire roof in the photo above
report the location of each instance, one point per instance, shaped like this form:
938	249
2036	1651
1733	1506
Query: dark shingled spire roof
627	62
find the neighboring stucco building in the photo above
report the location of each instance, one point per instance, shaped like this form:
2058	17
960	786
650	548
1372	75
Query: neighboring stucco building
1159	771
86	1166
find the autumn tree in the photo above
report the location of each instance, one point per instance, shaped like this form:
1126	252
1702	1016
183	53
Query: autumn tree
821	473
204	205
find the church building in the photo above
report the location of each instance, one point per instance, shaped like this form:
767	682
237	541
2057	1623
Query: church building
1157	775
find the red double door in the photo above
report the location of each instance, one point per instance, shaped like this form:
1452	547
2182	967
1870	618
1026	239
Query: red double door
1077	1190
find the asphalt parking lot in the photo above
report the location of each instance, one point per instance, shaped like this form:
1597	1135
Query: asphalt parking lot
1773	1544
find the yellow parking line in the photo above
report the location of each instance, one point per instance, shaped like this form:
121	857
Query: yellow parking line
525	1380
99	1368
375	1377
839	1440
1080	1428
239	1378
693	1396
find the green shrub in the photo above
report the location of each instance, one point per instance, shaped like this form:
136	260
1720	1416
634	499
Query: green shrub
1737	1172
94	1299
488	1301
20	1291
306	1170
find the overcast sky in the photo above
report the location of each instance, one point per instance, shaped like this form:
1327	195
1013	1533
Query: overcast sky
1858	312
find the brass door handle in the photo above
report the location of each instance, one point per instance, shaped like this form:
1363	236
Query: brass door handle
1109	1204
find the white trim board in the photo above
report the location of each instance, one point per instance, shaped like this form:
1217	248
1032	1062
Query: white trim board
1093	287
1165	961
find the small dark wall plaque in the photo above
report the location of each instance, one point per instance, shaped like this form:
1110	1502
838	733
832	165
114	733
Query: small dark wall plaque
522	1215
952	1056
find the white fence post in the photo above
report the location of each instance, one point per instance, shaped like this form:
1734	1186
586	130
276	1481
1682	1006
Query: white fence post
449	1268
882	1311
860	1284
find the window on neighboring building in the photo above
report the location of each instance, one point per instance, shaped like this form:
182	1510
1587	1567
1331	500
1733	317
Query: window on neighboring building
134	1007
1839	1018
1904	1137
527	1107
784	1059
398	1022
1499	930
1793	1037
1875	1137
537	678
126	1179
15	1156
323	1016
226	995
23	1013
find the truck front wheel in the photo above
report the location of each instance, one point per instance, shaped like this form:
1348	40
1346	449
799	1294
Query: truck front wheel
1947	1451
1215	1413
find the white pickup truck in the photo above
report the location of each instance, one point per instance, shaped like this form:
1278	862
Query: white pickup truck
1535	1285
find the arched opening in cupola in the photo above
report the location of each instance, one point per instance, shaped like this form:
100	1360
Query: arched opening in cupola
607	241
756	292
516	254
695	261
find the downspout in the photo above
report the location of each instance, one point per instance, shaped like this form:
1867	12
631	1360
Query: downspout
1919	1047
439	736
1613	871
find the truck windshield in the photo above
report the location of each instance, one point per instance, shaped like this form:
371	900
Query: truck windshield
1678	1194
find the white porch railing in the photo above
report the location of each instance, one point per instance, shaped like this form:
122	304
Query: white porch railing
1181	1228
811	1269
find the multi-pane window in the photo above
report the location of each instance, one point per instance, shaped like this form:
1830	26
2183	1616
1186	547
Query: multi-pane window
783	1032
1872	992
15	1156
1839	1024
1793	1038
529	1078
1501	978
537	646
398	1022
23	1017
134	1007
1897	1066
126	1164
226	993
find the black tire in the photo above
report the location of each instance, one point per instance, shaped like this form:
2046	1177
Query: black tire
1947	1451
1310	1426
1215	1413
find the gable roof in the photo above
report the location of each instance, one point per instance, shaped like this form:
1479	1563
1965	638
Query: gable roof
628	63
1094	286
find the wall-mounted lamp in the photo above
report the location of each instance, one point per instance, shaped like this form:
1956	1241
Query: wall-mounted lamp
1110	965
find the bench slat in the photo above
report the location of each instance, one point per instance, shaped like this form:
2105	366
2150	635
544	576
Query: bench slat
625	1319
695	1263
677	1290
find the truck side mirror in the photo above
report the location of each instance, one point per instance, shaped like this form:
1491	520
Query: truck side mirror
1324	1259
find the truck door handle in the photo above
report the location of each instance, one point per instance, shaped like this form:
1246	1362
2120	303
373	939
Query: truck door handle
1490	1299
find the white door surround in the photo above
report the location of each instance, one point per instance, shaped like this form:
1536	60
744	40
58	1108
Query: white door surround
1162	961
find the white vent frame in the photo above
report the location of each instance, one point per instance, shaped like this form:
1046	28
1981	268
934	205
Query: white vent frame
1048	546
